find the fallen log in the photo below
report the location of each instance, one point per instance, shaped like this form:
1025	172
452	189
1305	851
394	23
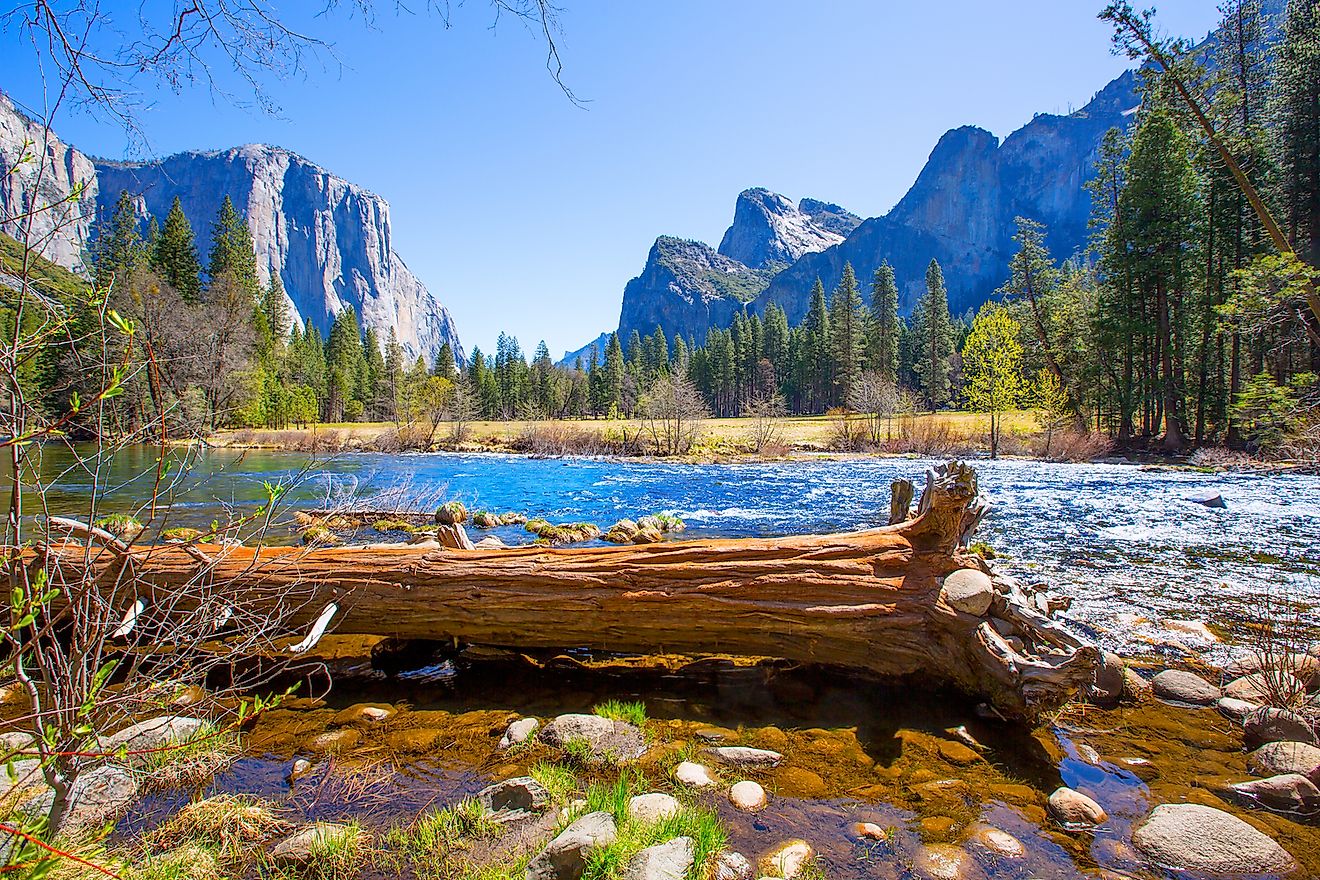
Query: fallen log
870	600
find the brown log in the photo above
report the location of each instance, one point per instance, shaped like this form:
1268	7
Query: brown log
900	501
869	600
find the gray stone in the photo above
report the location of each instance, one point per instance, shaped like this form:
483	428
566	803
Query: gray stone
303	846
742	756
969	591
608	740
1257	687
1107	688
1184	687
522	794
1274	758
1204	840
730	865
1208	498
99	796
519	732
787	859
747	796
694	774
664	861
1073	809
653	807
1237	710
153	734
14	741
565	857
1287	792
1268	724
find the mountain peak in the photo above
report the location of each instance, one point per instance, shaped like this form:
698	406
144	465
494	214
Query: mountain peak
768	229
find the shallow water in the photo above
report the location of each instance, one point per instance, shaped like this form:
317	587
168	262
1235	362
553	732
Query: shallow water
1125	541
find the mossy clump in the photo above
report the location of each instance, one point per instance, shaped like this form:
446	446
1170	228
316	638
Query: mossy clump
180	535
512	519
228	822
484	519
568	533
451	513
663	522
320	536
123	526
392	525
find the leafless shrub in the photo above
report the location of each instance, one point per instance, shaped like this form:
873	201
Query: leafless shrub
1220	457
845	434
1281	637
876	398
552	439
928	436
674	410
1072	444
765	411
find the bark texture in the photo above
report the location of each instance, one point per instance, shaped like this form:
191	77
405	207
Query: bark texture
868	600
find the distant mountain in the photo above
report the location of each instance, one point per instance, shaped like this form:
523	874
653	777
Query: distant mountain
330	241
768	230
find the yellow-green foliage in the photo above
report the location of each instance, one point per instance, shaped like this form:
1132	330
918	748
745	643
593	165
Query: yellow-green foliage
698	823
558	780
634	711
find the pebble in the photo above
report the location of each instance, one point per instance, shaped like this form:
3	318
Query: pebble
747	796
519	732
869	831
998	843
941	861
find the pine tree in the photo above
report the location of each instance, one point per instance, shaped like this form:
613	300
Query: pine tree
345	364
1033	282
882	350
446	367
937	339
847	321
118	248
612	387
232	251
817	353
175	254
275	309
1297	122
394	375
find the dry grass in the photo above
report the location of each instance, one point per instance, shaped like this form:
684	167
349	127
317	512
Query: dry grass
225	822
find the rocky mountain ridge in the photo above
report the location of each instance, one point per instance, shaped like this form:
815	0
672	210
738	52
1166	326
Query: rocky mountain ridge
329	240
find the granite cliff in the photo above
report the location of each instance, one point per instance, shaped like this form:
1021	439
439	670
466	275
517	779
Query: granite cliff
330	241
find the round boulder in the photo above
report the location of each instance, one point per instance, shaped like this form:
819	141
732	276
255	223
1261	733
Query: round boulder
1204	840
969	591
653	807
1287	792
1277	725
607	740
694	774
941	861
747	796
1072	809
1184	687
787	860
1275	758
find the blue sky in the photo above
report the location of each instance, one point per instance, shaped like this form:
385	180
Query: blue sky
525	213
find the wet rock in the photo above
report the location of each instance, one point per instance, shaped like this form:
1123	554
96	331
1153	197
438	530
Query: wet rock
1107	687
1208	498
747	796
565	857
648	536
731	866
997	843
1204	840
519	732
414	740
299	769
665	861
957	753
771	738
1015	793
799	782
153	734
869	831
714	734
1184	687
1235	709
1259	686
653	807
1072	809
363	713
969	591
451	513
786	860
742	756
1286	757
941	861
1268	725
334	742
1135	687
609	741
622	532
694	774
1287	792
305	845
937	826
522	794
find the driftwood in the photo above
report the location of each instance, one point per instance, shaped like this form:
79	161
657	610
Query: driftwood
869	600
900	501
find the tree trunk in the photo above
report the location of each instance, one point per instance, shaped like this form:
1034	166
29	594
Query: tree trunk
869	600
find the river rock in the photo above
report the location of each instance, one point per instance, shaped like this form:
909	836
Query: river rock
957	753
1073	809
609	740
1266	725
299	769
747	796
521	794
743	756
786	860
14	741
1258	686
1286	757
997	843
941	861
1184	687
665	861
333	742
304	845
969	591
363	714
153	734
694	774
1287	792
653	807
1107	687
1204	840
1235	709
519	732
99	797
1135	687
731	865
869	831
1208	498
565	857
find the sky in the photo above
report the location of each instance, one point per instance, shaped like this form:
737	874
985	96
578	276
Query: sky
526	213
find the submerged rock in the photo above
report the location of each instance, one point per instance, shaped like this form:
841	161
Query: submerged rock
606	739
747	796
1205	840
565	857
664	861
869	831
1286	757
786	860
1184	687
969	591
1287	792
743	756
1208	498
1073	809
941	861
997	843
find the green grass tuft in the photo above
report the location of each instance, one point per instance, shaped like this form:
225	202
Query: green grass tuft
633	712
557	779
